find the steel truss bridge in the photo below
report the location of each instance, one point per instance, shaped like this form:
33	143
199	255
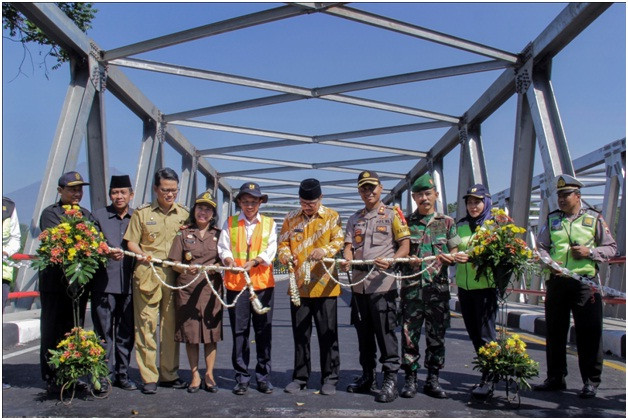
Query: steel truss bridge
270	159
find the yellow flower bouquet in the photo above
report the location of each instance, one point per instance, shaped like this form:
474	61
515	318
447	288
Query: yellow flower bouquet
79	354
497	250
507	359
75	245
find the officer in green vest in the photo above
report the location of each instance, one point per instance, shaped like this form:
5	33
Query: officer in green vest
578	239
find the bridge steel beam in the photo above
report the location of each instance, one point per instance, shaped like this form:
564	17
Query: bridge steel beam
73	122
71	130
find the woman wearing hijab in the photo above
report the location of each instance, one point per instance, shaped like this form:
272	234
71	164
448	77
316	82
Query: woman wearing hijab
477	296
198	315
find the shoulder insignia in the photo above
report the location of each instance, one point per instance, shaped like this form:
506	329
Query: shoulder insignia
143	206
184	207
401	216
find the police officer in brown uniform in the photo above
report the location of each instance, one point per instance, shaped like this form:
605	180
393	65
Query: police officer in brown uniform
375	232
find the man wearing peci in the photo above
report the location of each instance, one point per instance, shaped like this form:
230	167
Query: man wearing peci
112	299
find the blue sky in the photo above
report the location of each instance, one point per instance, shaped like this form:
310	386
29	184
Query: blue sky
589	78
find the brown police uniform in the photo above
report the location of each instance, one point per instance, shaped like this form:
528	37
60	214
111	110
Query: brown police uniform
375	234
198	315
155	231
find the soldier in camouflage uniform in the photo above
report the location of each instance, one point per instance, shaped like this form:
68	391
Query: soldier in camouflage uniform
426	298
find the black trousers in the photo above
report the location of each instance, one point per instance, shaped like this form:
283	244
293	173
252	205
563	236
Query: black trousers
324	312
565	296
112	315
57	318
375	319
479	310
240	318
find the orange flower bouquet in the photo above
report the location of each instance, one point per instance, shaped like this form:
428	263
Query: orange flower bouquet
79	354
75	245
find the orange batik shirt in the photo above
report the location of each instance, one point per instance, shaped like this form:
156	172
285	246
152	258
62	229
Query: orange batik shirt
300	235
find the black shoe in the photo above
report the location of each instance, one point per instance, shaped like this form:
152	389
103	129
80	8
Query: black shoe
126	384
552	384
210	388
176	384
265	387
432	387
149	388
409	388
389	392
294	387
588	391
483	390
363	385
240	388
104	387
195	389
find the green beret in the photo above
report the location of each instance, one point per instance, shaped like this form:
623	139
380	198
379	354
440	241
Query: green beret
424	182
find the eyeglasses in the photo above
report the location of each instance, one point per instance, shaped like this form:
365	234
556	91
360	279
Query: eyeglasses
169	191
309	203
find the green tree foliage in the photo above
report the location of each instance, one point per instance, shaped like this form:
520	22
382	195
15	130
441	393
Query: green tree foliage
23	30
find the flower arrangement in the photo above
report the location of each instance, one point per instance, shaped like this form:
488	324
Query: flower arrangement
506	359
75	244
497	252
79	354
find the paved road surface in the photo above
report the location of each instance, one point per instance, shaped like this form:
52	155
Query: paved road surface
27	397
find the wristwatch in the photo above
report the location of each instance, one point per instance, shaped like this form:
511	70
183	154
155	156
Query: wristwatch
255	262
591	253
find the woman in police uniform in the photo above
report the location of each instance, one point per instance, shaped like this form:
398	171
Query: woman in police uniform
198	311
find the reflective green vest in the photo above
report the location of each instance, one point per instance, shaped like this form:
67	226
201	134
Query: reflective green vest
564	233
465	274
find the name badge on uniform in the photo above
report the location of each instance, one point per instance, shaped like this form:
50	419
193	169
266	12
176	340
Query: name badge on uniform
556	224
151	222
587	221
297	230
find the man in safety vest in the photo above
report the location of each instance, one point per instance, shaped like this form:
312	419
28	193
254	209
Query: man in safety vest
249	240
578	239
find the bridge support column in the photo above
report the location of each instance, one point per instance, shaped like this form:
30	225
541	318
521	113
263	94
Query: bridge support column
472	164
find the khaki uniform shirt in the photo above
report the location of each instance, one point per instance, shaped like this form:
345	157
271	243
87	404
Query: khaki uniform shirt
300	236
154	231
375	234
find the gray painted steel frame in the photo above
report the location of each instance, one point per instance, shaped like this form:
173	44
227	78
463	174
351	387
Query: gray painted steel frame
526	74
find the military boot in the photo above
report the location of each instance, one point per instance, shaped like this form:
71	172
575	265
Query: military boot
432	387
389	391
364	384
409	388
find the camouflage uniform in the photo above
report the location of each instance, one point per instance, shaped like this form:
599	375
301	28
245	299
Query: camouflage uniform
427	301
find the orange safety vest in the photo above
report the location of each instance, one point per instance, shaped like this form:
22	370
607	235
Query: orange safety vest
262	275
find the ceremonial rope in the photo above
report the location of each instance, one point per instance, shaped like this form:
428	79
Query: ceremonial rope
258	307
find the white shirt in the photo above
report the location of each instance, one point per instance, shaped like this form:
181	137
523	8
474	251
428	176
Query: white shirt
11	236
224	242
